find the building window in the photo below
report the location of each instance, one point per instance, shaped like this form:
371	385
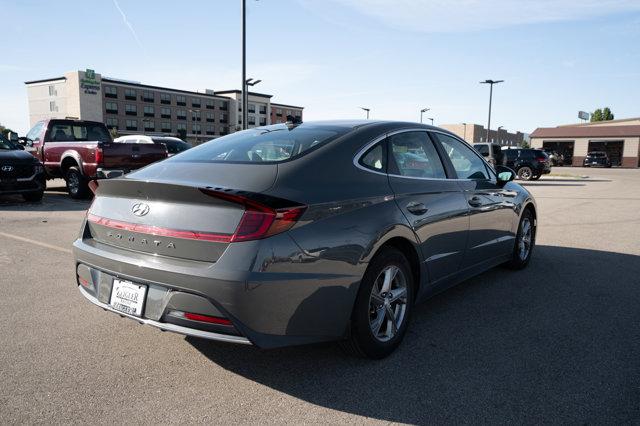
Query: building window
195	103
195	116
224	105
132	124
211	130
263	121
147	96
52	106
252	108
149	126
263	109
181	126
181	114
224	130
252	120
209	104
149	111
112	123
130	94
181	100
165	112
165	98
111	107
224	117
110	92
165	126
52	90
130	109
196	130
278	112
210	117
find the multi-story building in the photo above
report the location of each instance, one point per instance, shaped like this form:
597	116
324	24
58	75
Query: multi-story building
281	112
134	108
476	133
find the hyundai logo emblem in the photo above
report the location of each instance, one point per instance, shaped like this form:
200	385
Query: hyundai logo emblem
140	209
7	168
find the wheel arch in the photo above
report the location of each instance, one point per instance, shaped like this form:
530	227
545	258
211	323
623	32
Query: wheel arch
69	159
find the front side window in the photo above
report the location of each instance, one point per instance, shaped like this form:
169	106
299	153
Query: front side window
467	164
415	156
265	145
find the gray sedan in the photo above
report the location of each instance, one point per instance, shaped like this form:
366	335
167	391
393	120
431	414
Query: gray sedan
293	234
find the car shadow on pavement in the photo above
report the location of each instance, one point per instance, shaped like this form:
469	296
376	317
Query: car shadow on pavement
549	183
52	201
557	342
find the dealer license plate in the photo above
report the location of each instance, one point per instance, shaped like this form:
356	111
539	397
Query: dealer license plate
128	297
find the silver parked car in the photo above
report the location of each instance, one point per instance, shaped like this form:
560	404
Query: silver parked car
293	234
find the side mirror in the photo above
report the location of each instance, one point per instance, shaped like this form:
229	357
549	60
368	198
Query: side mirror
13	136
505	174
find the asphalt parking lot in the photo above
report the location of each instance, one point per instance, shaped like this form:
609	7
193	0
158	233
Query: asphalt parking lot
558	342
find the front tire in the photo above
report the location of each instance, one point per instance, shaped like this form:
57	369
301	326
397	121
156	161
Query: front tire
525	241
76	183
383	306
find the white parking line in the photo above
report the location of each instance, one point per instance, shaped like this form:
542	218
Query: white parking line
38	243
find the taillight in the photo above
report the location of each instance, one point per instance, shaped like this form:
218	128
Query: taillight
259	221
99	155
541	159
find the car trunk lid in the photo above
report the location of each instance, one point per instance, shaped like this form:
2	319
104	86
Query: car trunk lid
131	156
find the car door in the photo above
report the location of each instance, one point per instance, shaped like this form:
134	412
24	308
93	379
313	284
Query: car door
434	206
492	208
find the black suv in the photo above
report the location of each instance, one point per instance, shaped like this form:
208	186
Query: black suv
529	164
20	172
597	159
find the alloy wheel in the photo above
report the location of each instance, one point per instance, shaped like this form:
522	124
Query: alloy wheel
525	238
525	173
73	182
388	303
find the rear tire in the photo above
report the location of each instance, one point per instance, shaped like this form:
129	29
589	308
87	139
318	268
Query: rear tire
525	173
525	241
383	306
33	196
76	183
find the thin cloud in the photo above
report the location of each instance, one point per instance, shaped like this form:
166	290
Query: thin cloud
128	24
447	16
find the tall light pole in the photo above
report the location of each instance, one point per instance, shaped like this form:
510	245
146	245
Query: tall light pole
465	131
491	83
244	64
367	110
431	120
245	101
422	111
498	134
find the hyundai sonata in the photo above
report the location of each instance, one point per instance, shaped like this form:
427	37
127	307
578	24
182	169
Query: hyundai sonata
292	234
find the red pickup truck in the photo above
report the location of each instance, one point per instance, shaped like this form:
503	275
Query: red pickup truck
80	151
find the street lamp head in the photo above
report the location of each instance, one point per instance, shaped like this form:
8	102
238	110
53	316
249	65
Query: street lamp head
424	109
491	81
256	82
365	109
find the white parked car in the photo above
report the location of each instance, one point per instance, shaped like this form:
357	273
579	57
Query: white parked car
174	145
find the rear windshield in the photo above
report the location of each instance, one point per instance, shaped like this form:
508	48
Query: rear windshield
79	132
269	144
482	149
596	154
173	146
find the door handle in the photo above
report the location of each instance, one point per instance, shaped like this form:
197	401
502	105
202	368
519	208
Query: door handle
417	208
475	201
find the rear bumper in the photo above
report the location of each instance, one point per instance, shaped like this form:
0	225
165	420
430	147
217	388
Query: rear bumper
188	331
271	299
110	173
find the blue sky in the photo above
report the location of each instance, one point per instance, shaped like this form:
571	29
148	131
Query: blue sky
333	56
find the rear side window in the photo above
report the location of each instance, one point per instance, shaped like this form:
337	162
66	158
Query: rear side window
512	154
78	132
374	159
482	149
415	156
465	161
269	144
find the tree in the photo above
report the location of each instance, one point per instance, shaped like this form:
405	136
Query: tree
525	144
602	114
114	132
